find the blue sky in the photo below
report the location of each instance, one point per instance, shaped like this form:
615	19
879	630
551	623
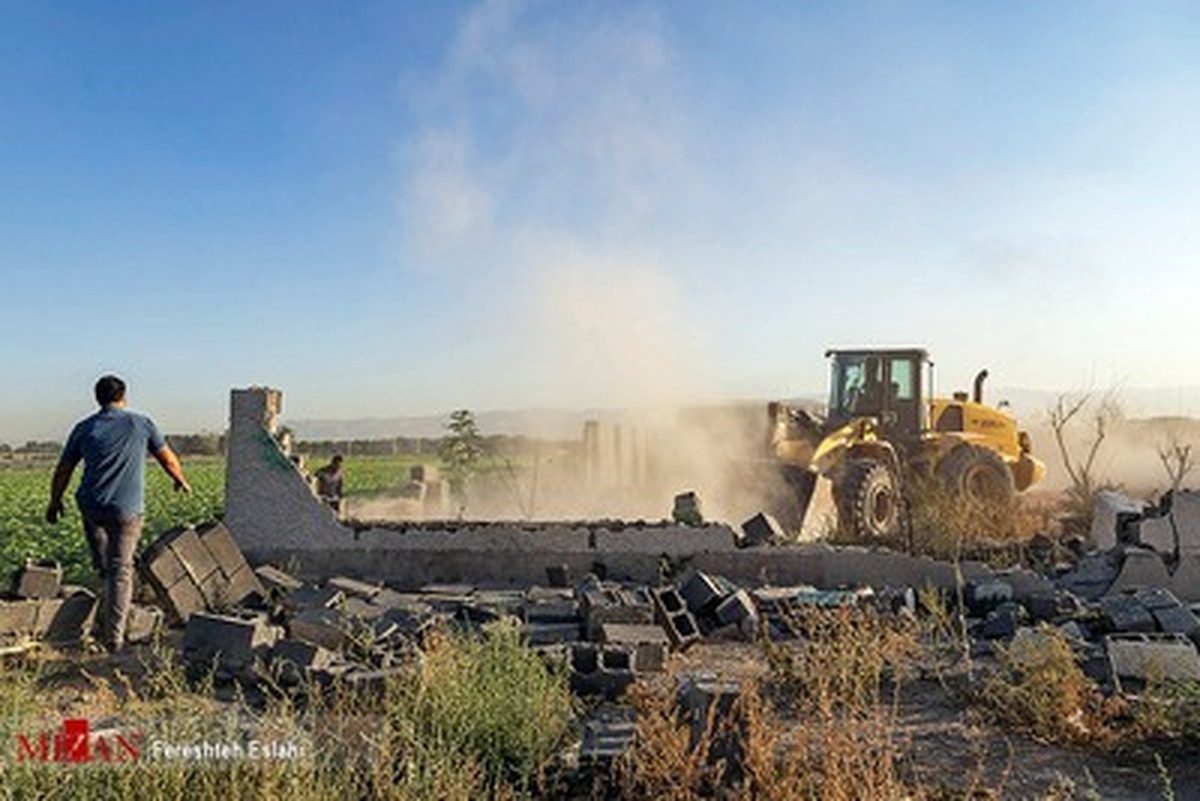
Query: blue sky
401	208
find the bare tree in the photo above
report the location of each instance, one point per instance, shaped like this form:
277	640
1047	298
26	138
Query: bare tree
1100	412
1177	460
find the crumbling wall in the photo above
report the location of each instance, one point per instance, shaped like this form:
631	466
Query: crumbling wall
269	504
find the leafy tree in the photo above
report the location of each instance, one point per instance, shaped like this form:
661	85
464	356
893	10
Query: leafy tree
461	452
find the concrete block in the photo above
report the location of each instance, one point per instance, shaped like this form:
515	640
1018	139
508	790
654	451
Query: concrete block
245	588
38	580
183	600
310	597
984	596
736	608
300	655
709	706
143	623
551	611
605	741
1141	568
320	626
686	510
539	634
353	588
47	610
614	605
1177	620
648	641
360	609
1025	583
672	614
1092	576
1185	580
198	563
1152	656
701	593
73	620
1124	613
228	642
215	591
276	581
601	670
221	545
1156	598
1003	621
1111	511
760	530
162	568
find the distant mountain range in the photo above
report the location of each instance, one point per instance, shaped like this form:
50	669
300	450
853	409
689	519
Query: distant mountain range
1029	405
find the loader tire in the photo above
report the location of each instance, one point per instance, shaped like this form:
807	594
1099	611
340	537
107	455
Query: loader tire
868	500
978	473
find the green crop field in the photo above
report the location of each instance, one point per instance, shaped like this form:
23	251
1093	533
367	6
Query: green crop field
25	490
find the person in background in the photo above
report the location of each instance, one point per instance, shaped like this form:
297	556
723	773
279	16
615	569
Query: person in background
112	444
329	482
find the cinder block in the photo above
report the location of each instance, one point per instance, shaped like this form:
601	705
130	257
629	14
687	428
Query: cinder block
310	597
735	608
648	641
353	588
358	608
1156	598
614	605
275	580
1092	576
687	511
760	530
605	741
230	643
672	614
372	683
198	563
601	670
162	568
984	596
183	600
552	633
1177	620
143	623
701	593
47	610
245	588
221	545
294	660
1152	656
38	580
1126	614
320	626
704	701
73	619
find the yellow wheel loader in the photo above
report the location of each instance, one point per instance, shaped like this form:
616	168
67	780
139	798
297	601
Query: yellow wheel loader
880	431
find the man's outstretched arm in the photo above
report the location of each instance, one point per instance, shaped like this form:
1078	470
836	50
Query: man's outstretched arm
58	487
170	463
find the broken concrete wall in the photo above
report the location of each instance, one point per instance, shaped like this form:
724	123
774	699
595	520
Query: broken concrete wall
275	517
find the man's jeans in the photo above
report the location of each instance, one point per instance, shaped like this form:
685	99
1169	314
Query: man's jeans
113	539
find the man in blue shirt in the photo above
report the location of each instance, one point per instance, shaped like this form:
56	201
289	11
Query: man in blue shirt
113	444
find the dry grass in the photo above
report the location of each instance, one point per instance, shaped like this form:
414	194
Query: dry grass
477	717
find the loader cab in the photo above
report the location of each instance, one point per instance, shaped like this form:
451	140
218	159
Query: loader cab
884	384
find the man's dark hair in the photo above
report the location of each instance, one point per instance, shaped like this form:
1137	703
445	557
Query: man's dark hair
109	389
